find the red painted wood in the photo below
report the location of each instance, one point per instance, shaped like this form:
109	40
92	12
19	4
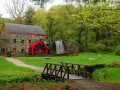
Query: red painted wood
35	48
14	52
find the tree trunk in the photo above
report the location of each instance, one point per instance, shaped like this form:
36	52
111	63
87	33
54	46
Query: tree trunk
97	35
86	39
79	37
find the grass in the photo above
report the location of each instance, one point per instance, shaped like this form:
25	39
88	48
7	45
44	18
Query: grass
82	58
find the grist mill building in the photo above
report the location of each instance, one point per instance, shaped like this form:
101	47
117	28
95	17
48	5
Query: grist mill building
22	40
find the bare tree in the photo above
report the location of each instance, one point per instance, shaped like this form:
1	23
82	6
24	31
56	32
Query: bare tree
16	8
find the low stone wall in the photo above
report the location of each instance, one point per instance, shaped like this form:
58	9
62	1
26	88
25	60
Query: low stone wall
71	47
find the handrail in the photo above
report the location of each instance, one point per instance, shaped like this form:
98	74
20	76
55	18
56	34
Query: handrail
73	64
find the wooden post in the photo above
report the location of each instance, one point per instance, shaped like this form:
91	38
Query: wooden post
61	71
78	70
72	69
55	72
50	70
67	72
47	68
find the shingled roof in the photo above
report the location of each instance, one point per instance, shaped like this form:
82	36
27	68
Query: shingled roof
24	29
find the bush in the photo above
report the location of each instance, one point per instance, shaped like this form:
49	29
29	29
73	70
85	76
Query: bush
101	47
9	53
91	48
117	51
110	49
109	42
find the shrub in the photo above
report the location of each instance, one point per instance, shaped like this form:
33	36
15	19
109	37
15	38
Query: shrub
101	47
91	48
110	48
9	53
109	42
117	51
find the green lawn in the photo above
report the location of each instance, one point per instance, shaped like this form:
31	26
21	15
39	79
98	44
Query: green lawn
10	73
82	58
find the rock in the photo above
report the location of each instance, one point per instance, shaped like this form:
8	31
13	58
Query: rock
91	58
47	58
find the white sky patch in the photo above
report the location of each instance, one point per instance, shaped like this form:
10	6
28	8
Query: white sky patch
6	15
56	2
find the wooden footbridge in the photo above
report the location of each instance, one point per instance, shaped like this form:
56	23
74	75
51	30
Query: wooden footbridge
65	70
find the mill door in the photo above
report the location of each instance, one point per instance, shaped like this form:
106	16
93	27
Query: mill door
14	52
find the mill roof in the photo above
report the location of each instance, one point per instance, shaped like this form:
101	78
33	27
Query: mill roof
24	29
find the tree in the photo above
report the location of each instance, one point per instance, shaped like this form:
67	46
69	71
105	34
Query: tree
29	15
16	8
41	2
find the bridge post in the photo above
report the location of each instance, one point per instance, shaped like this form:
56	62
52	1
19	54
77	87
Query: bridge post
47	68
50	70
55	72
61	71
67	72
78	70
72	69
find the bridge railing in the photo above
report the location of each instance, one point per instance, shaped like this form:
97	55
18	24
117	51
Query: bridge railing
56	70
78	69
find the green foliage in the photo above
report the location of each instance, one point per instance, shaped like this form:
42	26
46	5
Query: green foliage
9	53
29	15
101	47
108	74
99	23
117	51
91	48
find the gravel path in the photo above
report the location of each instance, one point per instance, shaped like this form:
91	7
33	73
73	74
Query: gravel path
19	63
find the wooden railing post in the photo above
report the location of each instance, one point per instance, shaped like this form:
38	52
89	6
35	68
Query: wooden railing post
67	72
61	71
78	73
72	69
47	68
50	70
55	72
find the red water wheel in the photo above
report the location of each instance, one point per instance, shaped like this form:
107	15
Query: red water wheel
37	48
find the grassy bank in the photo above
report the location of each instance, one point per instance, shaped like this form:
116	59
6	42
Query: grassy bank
108	75
10	73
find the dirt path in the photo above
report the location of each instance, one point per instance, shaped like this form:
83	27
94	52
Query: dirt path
86	84
19	63
80	84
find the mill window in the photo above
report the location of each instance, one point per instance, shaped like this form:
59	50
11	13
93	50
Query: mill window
29	41
14	40
22	50
3	50
22	41
6	40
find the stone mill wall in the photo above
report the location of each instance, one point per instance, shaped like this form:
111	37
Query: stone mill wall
18	42
71	47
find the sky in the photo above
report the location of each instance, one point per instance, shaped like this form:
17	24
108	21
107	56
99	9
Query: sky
6	15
